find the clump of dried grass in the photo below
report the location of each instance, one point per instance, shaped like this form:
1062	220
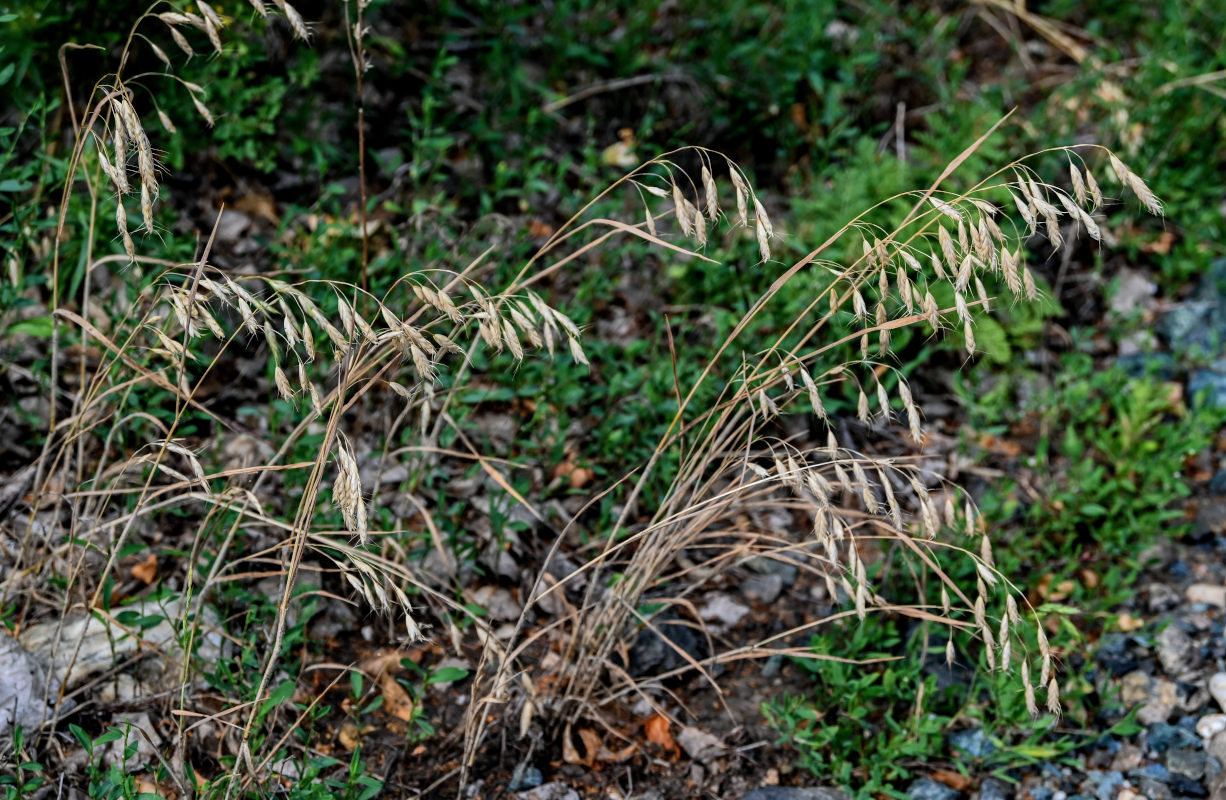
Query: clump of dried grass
328	345
325	358
858	504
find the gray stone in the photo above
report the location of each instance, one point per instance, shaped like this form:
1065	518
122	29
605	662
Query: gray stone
774	566
698	744
1212	383
1106	785
764	588
549	791
1175	650
993	789
795	793
22	682
928	789
973	741
1162	736
524	777
107	641
1154	789
1186	761
722	612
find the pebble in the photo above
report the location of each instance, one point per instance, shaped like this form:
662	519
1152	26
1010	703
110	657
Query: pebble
763	588
1106	785
1208	593
524	777
550	791
1217	688
1154	790
1175	650
722	611
1129	794
1162	737
698	744
498	601
1160	597
993	789
795	793
973	741
1210	725
1187	787
1186	761
928	789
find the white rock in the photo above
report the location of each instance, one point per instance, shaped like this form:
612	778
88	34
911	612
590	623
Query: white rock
698	744
1217	688
550	791
22	683
82	645
723	611
1207	593
1210	725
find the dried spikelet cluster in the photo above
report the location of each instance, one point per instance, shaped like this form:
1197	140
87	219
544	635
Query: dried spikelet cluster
291	324
949	246
122	126
695	217
832	479
347	489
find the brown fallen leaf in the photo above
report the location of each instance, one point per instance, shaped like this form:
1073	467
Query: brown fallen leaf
383	668
954	780
591	747
657	729
580	477
349	735
1057	592
146	570
539	229
1129	623
1161	245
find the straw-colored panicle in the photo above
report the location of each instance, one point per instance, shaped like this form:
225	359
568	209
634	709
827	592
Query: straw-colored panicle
295	20
710	193
1053	697
282	383
347	490
1133	182
764	230
1032	706
741	190
121	221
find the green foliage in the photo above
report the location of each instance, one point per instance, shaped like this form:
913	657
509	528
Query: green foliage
869	721
861	726
1110	450
23	776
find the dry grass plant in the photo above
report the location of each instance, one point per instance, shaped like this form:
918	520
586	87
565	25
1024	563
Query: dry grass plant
733	468
110	468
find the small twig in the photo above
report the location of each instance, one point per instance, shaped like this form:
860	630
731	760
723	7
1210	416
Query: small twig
613	86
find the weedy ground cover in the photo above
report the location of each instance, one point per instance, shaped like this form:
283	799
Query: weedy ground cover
456	378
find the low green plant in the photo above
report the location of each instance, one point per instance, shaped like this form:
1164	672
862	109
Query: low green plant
22	777
866	721
1109	458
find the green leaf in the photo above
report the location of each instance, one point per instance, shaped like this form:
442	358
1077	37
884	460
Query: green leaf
82	737
279	695
13	185
39	327
447	675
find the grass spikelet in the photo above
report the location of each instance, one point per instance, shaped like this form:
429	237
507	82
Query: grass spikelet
347	490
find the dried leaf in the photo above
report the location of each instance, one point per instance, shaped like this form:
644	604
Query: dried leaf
146	570
657	729
383	668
